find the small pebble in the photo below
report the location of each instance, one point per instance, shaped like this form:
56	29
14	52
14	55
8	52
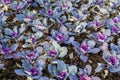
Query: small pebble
71	55
106	73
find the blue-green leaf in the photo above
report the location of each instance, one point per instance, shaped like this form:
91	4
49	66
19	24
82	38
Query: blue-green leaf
19	72
38	35
63	51
72	69
8	31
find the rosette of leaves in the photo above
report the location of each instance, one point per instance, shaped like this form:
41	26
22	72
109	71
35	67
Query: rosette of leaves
103	36
96	23
62	36
87	46
54	49
114	27
54	11
9	52
64	6
60	70
115	30
78	15
40	25
32	39
31	55
29	70
16	33
20	5
112	58
114	3
85	74
29	15
32	63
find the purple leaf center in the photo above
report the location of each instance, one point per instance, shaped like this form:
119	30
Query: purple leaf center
84	77
115	29
6	50
33	39
64	5
19	7
29	17
78	17
116	20
31	56
53	53
6	1
50	12
113	60
62	75
101	36
14	34
34	71
60	37
84	47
